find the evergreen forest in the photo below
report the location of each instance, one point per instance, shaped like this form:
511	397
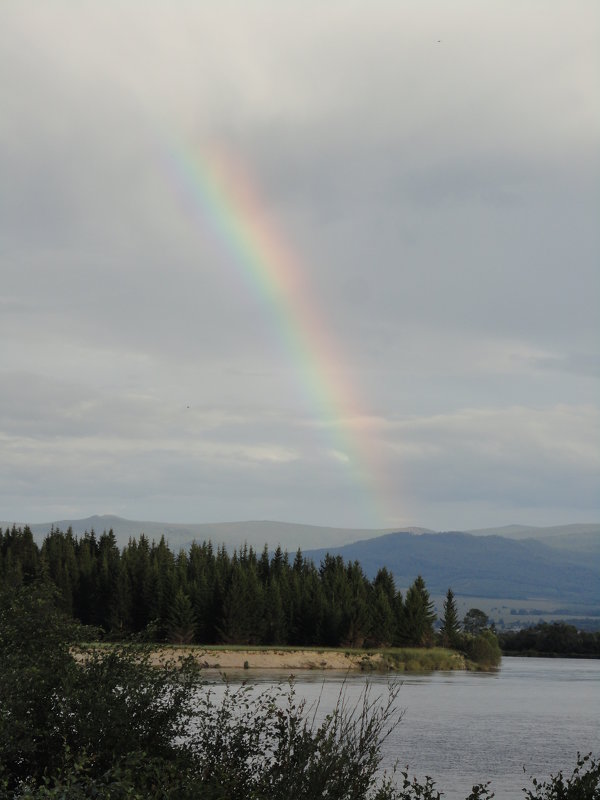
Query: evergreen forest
204	595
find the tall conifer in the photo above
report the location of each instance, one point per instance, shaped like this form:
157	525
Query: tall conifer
419	614
181	620
450	630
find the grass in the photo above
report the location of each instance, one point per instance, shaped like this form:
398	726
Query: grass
422	659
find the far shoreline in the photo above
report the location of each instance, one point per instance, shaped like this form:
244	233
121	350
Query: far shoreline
544	654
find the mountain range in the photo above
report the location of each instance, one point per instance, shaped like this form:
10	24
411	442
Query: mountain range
256	533
486	566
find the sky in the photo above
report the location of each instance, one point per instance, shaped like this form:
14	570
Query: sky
320	262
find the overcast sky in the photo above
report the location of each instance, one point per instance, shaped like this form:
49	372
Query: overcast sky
433	167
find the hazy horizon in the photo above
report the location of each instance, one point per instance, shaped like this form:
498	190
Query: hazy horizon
292	523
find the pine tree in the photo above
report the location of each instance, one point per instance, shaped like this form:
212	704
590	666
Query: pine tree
385	580
298	562
335	593
60	566
382	619
400	634
418	615
85	606
233	625
356	613
264	566
310	609
110	587
163	581
181	620
275	628
201	597
136	561
450	630
255	603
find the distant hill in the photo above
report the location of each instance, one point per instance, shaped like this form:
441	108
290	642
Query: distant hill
288	535
486	566
581	541
539	532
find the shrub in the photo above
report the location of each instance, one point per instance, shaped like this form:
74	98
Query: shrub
582	784
484	649
65	719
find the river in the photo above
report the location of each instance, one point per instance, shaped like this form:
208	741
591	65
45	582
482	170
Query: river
468	727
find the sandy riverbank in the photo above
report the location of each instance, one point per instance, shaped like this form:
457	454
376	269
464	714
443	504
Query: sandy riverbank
222	659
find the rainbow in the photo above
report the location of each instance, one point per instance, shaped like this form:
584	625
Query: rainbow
219	189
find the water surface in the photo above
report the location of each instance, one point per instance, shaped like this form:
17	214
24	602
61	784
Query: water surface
467	727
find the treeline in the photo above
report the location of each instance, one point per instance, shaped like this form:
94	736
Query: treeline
552	638
207	596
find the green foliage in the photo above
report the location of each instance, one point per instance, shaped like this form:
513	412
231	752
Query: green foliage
475	621
418	617
34	663
383	622
479	642
181	620
58	710
19	557
207	597
422	659
552	638
268	747
483	649
582	784
450	628
415	789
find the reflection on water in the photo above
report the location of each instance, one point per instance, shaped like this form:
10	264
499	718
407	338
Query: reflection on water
466	727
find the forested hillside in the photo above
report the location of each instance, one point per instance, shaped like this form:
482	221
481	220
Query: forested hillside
208	596
486	566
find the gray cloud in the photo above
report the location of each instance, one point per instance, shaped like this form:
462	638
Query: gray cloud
439	197
587	365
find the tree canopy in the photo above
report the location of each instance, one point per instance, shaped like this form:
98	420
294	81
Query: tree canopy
450	627
552	638
209	596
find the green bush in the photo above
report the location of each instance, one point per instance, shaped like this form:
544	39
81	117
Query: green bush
484	649
86	719
582	784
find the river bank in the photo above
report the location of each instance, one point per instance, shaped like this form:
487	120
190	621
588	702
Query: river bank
393	659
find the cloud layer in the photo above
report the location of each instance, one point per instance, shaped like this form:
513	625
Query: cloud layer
435	172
